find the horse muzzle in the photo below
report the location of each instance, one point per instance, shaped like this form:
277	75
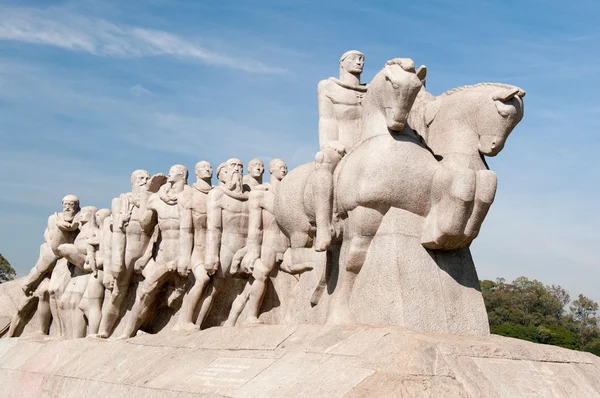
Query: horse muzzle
394	121
490	145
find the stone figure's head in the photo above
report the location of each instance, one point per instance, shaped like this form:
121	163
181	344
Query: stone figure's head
498	117
203	170
399	90
101	215
278	169
70	205
256	168
87	215
353	62
222	174
177	173
235	169
140	178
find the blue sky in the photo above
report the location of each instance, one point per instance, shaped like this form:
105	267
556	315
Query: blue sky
91	90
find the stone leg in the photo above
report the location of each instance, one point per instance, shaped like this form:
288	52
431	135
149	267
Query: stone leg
192	299
26	307
72	254
43	308
362	225
111	310
453	193
44	265
262	269
238	305
156	274
59	281
209	293
91	303
485	192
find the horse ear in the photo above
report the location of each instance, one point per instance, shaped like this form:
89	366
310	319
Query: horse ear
505	94
422	73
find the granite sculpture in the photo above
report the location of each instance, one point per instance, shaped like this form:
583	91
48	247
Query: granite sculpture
264	249
160	212
193	227
46	281
397	192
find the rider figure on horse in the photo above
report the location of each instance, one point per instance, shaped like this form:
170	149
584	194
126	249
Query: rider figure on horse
340	114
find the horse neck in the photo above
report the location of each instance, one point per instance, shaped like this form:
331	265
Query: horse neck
452	134
373	114
416	117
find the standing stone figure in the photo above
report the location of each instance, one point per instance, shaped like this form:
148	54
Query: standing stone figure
264	249
61	228
256	169
77	254
340	113
227	228
160	209
129	241
93	296
193	244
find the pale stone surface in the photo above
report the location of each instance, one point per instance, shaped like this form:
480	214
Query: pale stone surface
374	232
303	360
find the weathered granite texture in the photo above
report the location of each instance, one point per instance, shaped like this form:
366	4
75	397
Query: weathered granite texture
303	360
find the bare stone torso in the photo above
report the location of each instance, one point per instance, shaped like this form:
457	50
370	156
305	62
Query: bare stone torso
168	224
347	110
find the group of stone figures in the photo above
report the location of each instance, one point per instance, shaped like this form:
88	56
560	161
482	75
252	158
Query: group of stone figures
386	145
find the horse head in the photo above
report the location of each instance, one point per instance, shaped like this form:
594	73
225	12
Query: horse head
498	116
391	94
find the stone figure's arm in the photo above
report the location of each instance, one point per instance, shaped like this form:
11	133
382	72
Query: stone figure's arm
53	230
90	258
186	233
148	216
328	125
214	230
255	228
117	241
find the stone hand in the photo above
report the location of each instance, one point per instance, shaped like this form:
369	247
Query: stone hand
184	268
172	265
109	282
66	226
212	266
337	146
249	259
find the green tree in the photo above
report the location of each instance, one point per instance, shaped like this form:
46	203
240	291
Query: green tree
529	310
7	273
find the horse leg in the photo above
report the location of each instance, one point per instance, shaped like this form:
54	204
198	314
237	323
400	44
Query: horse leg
485	191
453	191
362	225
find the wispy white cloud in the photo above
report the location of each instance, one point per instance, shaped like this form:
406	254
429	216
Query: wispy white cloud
99	37
140	91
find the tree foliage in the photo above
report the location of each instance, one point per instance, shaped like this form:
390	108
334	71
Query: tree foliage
7	273
529	310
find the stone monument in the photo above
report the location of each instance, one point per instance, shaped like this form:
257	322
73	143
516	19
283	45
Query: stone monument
349	276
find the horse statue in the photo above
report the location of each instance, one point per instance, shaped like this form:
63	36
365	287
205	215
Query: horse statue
428	162
460	127
388	102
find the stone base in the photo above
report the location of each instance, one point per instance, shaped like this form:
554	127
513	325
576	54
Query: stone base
303	360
